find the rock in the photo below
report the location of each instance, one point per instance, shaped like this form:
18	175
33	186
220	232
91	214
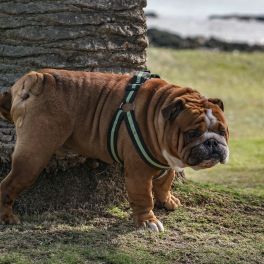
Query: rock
161	38
151	14
259	18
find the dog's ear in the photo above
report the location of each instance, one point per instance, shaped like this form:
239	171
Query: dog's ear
5	105
218	102
173	110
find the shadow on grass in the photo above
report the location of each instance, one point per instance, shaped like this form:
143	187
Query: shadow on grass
73	237
214	226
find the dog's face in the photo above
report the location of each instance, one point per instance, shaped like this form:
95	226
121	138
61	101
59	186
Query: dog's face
200	134
5	105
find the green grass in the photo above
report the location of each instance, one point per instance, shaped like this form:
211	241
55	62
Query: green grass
244	172
222	217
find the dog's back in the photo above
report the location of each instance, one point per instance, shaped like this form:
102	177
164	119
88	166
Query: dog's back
81	103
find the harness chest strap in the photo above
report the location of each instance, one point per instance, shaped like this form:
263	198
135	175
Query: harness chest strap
132	126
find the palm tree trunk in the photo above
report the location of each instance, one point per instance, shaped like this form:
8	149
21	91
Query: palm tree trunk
88	35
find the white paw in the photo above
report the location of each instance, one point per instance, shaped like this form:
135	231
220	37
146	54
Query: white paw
155	227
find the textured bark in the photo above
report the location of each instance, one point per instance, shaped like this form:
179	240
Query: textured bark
105	35
89	35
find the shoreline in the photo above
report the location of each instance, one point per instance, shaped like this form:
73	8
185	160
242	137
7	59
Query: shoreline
242	17
163	38
227	30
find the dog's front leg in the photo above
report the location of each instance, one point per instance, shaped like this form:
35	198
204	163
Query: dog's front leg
162	191
139	189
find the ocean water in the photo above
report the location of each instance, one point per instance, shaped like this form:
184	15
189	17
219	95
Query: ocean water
191	18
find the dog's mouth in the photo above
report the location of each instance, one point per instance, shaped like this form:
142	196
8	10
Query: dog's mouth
203	156
206	164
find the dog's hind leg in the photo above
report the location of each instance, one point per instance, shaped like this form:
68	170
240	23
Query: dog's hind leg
162	191
34	148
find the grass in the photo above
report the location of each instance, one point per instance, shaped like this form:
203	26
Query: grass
213	226
222	217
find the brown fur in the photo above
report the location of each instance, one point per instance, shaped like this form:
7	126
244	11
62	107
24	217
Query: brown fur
56	108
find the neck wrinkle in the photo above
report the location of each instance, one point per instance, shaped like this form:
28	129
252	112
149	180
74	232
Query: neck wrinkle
164	95
153	97
156	124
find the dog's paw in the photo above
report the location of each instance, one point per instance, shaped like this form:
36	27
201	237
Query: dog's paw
170	204
154	226
10	219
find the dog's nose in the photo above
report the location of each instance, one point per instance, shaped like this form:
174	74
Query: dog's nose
211	143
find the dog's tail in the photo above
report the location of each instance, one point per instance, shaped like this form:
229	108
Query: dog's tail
5	105
27	85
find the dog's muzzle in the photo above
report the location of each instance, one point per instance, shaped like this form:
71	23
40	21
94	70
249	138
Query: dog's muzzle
208	154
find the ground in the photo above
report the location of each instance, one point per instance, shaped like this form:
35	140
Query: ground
222	217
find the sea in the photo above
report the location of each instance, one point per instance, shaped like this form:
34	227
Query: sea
190	18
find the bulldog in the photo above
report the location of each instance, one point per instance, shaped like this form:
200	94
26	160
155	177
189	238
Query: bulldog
52	109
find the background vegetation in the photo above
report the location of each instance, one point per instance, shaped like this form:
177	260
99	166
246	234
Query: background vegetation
222	217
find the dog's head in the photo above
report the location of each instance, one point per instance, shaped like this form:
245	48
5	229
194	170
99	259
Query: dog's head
5	105
198	132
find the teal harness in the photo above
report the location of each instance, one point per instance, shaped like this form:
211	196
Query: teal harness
126	112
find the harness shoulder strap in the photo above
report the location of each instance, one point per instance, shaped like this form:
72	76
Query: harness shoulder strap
131	124
139	143
113	134
118	117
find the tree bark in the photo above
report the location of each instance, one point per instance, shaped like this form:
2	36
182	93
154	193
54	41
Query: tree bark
105	35
88	35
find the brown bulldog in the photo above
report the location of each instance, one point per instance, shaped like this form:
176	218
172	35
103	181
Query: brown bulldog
57	108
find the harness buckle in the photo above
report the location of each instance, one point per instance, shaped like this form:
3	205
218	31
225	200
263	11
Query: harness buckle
127	107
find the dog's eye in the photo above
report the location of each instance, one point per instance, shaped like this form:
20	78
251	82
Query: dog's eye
193	134
221	133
